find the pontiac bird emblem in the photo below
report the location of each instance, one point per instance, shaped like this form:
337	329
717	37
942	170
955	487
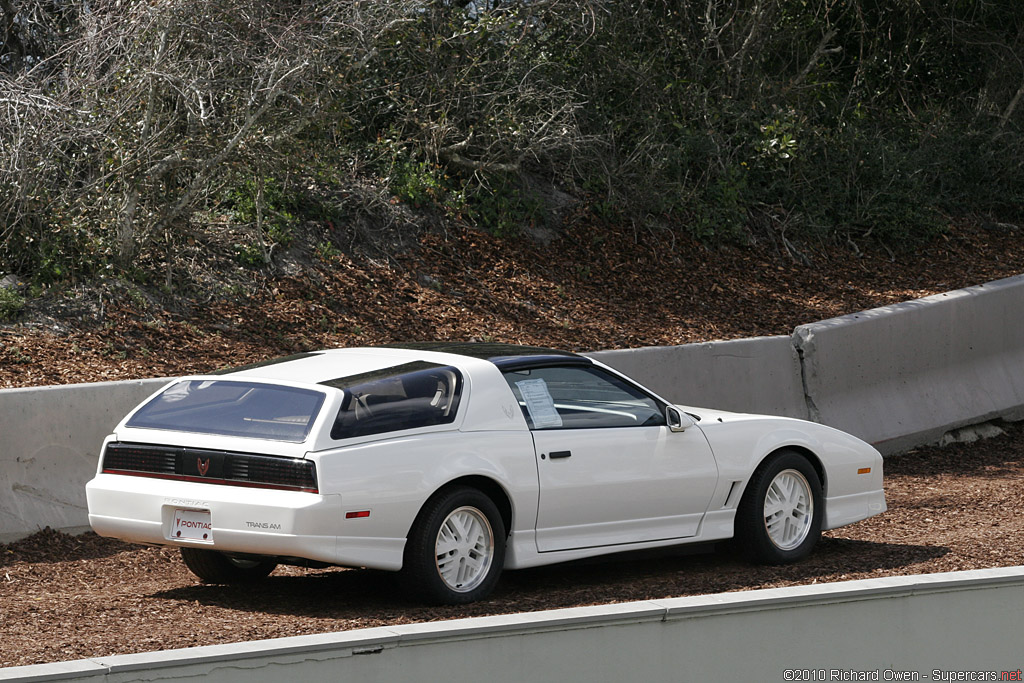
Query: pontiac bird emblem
203	467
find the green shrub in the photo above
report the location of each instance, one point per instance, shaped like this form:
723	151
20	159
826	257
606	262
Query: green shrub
11	304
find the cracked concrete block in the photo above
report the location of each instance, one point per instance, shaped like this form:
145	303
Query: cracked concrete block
904	375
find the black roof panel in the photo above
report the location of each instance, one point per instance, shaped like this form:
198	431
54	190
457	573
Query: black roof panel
505	356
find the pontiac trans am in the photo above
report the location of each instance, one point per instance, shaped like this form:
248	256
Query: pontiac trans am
450	462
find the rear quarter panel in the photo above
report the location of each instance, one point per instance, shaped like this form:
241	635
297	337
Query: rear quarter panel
393	478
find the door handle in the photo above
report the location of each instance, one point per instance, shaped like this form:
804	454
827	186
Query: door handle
555	455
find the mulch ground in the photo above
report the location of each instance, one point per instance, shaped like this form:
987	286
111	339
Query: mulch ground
955	508
583	292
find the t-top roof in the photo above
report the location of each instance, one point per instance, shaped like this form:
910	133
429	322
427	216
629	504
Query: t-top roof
317	366
505	356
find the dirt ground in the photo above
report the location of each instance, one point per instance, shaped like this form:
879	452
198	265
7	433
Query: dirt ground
63	597
627	287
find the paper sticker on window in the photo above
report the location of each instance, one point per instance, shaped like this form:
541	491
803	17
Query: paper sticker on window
539	403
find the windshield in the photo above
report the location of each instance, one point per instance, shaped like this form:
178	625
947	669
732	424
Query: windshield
230	408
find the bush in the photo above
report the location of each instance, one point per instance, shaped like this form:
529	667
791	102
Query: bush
855	121
11	304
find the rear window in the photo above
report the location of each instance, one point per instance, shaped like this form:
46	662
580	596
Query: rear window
230	408
418	394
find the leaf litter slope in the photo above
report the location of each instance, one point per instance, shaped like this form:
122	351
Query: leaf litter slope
953	508
586	290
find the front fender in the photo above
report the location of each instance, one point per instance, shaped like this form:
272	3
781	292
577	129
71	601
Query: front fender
849	466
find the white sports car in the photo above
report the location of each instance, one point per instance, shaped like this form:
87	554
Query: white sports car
449	462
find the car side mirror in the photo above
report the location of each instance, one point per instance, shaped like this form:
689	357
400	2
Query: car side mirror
677	420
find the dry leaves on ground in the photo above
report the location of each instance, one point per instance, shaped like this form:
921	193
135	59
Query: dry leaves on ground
955	508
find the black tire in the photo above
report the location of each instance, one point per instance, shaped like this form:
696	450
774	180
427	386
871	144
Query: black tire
214	567
469	524
789	482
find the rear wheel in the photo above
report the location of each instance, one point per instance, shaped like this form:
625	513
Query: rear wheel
779	517
456	549
215	567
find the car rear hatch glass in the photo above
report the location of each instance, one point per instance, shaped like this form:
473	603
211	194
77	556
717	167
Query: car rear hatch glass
232	408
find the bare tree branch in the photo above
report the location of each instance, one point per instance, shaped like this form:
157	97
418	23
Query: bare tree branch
820	51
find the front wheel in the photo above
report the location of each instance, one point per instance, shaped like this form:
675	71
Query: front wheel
214	567
779	517
456	549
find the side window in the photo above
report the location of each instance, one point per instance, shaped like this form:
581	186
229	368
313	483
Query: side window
406	396
581	398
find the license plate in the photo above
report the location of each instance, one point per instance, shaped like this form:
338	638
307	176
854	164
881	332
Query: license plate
192	525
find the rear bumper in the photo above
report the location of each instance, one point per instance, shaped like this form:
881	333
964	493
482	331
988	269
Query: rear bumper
243	520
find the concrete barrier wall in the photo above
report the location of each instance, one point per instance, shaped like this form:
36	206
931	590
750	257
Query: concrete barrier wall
49	447
759	375
897	377
904	375
897	628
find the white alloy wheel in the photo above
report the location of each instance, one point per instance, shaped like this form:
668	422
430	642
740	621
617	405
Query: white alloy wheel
778	520
455	550
788	509
464	549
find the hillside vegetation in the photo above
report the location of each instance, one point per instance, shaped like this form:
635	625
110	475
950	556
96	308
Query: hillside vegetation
130	130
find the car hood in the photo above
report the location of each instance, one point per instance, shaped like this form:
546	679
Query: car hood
705	416
725	429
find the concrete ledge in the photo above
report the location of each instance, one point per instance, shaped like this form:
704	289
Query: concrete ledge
959	621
